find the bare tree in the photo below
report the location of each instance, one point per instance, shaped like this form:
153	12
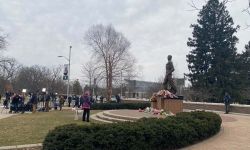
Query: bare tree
31	78
93	72
8	68
35	78
247	10
111	49
54	76
2	41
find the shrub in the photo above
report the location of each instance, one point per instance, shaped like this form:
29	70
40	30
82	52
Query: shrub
151	133
108	106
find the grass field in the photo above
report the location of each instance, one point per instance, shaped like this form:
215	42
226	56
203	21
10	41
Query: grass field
32	128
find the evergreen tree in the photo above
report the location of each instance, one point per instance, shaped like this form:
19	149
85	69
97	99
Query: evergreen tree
77	88
211	60
243	70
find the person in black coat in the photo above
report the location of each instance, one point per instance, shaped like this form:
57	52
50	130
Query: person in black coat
227	100
34	102
47	99
14	103
7	99
118	99
77	101
69	100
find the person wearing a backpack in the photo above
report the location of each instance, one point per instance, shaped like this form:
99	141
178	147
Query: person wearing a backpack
85	106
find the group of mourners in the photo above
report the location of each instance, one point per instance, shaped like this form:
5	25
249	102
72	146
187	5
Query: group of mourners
16	102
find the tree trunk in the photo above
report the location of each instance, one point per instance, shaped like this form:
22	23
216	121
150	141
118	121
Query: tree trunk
109	88
107	80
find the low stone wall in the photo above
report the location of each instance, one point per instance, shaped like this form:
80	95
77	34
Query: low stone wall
236	108
135	101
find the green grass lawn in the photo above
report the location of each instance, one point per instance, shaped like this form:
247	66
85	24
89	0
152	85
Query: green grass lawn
32	128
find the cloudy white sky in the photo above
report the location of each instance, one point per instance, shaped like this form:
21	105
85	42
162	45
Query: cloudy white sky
40	30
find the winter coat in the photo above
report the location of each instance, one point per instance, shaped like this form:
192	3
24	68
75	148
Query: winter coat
86	102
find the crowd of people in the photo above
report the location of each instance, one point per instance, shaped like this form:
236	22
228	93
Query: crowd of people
44	101
33	101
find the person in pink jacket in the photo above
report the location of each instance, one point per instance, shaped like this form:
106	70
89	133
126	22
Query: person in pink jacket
85	106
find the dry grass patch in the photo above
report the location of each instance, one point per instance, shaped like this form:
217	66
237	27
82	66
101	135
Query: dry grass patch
32	128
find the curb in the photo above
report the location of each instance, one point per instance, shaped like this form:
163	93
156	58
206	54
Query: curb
26	147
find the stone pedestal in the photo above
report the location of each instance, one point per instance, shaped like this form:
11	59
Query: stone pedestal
172	105
154	105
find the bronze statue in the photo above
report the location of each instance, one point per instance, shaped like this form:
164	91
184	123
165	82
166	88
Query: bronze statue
168	80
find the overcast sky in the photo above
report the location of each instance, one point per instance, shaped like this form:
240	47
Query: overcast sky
40	30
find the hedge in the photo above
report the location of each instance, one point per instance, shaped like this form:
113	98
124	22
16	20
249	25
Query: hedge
147	134
108	106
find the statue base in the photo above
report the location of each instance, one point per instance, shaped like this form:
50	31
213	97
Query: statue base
172	105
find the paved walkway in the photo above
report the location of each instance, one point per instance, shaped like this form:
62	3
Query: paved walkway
234	135
4	113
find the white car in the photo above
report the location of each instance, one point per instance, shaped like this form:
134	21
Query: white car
113	98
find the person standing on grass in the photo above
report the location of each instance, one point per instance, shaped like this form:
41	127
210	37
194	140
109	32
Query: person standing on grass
47	99
85	106
76	98
61	102
69	100
21	101
7	99
33	100
14	103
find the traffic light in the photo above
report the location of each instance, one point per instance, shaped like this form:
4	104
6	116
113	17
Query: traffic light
65	72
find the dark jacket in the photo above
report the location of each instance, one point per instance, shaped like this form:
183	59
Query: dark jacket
47	98
15	99
227	99
33	99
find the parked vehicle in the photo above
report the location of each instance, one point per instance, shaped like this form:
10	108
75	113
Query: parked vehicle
113	98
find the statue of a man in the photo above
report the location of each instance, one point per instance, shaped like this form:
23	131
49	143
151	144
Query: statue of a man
168	80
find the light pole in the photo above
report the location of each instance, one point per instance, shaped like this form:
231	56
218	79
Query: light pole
121	85
68	59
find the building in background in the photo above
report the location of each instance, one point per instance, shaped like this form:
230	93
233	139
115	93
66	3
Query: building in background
145	89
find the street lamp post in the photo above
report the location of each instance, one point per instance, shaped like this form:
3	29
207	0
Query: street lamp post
68	59
121	85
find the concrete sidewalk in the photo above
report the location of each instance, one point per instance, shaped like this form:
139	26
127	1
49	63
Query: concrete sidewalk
234	135
4	113
23	147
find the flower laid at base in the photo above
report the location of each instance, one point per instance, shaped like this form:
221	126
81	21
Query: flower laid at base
164	94
156	111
